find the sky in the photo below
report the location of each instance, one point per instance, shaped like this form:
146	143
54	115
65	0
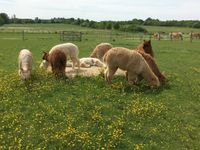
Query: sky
99	10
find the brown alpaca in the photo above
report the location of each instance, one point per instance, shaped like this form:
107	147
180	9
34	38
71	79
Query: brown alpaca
100	50
154	67
130	61
57	60
146	47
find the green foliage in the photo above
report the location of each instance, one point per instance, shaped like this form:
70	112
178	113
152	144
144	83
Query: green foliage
5	18
196	25
132	28
116	26
1	21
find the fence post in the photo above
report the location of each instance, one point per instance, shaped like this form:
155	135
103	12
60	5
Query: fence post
191	38
23	38
110	35
80	36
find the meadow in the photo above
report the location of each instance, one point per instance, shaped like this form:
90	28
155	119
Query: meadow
87	113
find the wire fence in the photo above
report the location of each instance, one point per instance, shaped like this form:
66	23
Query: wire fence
84	35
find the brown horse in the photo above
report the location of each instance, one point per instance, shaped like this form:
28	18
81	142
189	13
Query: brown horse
176	35
146	47
57	60
194	34
156	35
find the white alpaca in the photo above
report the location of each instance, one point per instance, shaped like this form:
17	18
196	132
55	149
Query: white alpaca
25	60
70	50
88	62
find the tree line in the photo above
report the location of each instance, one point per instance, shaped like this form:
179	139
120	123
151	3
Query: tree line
134	25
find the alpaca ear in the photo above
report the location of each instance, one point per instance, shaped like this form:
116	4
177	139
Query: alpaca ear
144	40
149	41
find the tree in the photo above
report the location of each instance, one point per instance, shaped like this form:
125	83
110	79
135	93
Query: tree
1	21
109	25
196	25
116	26
5	18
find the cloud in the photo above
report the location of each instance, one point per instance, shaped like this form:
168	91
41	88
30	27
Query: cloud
102	9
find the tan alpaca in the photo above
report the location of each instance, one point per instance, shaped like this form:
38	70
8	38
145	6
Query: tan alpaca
100	50
130	61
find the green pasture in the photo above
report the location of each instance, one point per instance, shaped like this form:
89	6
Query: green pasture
85	112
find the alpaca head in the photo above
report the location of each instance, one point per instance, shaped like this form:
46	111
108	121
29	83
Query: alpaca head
25	73
44	64
154	82
45	56
147	46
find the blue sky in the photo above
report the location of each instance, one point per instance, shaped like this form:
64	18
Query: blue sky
103	9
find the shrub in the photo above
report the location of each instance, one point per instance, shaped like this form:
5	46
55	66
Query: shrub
132	28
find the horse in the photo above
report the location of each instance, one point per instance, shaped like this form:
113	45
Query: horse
194	34
156	35
146	47
176	35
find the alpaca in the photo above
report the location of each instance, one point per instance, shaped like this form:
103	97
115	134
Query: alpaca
58	62
88	61
69	49
25	60
146	47
154	67
130	61
100	50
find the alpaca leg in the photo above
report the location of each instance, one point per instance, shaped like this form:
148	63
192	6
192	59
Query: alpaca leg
74	62
110	74
78	63
132	77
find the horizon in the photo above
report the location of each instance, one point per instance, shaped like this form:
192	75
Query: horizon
102	10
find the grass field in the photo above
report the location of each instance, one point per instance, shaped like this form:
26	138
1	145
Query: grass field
87	113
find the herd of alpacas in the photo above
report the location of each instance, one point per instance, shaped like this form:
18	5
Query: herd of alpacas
138	64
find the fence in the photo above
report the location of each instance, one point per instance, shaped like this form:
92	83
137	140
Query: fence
104	35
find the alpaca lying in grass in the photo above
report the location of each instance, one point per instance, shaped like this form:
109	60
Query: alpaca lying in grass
100	50
25	60
87	62
130	61
69	49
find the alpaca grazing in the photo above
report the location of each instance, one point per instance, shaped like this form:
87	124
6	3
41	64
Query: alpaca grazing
147	52
58	61
154	67
100	50
130	61
25	60
69	49
146	47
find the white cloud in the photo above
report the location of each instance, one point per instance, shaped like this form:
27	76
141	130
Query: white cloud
103	9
